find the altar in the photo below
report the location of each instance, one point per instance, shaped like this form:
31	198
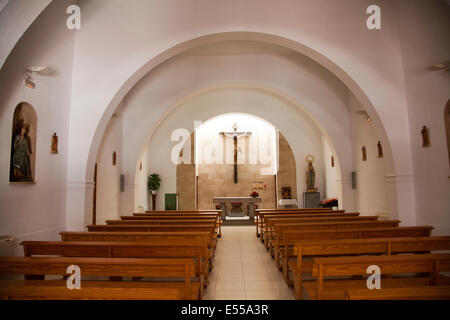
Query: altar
236	200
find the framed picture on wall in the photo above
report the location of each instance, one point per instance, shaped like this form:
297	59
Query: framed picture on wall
286	193
257	185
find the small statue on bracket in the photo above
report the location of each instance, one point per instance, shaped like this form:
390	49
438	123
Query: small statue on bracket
380	150
425	137
310	174
54	146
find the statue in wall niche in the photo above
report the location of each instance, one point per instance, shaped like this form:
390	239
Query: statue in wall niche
364	154
380	150
54	147
310	174
114	158
332	161
425	137
21	169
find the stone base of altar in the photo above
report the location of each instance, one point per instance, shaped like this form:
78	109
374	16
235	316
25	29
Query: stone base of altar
236	203
238	221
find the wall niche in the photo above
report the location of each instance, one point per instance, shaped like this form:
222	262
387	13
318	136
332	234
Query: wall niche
23	144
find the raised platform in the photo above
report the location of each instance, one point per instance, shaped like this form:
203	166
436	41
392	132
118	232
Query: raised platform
237	221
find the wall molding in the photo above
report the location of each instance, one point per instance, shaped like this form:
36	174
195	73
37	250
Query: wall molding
80	184
344	181
391	178
61	228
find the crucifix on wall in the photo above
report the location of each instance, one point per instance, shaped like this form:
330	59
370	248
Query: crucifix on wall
235	135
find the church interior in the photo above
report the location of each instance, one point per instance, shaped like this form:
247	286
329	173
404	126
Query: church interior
224	150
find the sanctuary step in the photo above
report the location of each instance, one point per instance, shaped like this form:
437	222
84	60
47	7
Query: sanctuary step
237	221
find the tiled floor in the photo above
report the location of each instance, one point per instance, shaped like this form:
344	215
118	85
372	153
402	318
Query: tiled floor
244	270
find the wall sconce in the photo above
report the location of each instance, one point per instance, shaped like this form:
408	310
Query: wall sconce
27	82
365	115
42	70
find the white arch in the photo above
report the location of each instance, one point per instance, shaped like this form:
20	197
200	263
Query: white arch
400	157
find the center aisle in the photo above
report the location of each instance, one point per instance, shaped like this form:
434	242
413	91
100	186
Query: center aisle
244	270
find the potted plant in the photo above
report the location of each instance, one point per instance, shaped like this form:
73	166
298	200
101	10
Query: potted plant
153	184
254	194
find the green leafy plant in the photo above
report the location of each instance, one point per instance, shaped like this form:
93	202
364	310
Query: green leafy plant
153	182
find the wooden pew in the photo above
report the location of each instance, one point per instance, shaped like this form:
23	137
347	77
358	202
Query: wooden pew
389	265
192	249
35	268
174	216
211	228
260	223
46	290
409	293
167	237
259	218
172	221
170	216
381	246
293	209
270	221
290	238
180	211
276	234
161	221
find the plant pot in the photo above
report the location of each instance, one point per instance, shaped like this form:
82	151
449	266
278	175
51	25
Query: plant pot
153	201
153	191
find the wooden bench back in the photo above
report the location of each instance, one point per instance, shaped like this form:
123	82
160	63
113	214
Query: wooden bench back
271	221
149	249
171	216
290	237
152	228
389	265
275	219
169	237
408	293
162	221
393	264
178	211
310	212
293	209
42	290
385	246
336	225
156	249
260	221
371	245
276	233
174	237
38	267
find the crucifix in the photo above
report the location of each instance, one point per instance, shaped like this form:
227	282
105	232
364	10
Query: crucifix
235	135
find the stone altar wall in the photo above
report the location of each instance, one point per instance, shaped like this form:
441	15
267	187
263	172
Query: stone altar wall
286	168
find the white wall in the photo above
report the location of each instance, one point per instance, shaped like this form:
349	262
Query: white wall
368	62
109	197
38	211
371	188
303	136
425	40
246	65
331	176
109	58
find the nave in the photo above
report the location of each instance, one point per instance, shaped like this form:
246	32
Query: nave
318	254
243	270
